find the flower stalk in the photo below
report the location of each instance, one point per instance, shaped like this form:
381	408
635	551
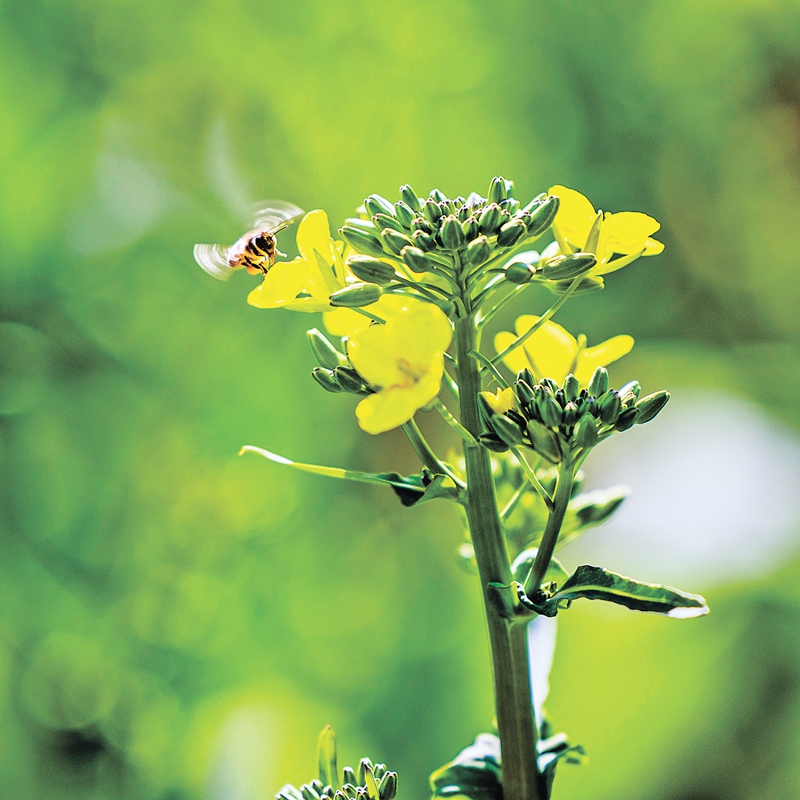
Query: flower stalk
511	670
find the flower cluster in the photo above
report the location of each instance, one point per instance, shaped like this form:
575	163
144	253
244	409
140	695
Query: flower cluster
370	782
563	422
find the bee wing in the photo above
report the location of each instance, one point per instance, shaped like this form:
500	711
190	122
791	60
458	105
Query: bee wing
274	215
213	259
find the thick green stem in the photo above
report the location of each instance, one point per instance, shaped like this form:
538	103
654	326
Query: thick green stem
512	689
553	528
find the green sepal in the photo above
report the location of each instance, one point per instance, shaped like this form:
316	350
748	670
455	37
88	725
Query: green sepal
474	773
596	583
411	490
328	771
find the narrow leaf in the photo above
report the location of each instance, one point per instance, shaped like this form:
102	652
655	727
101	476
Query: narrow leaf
596	583
328	771
411	490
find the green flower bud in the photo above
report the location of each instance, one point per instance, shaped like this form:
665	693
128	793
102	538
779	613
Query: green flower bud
463	213
394	240
586	432
541	216
527	376
478	251
380	771
308	792
371	270
448	207
452	236
506	429
404	213
648	407
493	442
364	765
326	379
549	410
348	787
424	241
569	415
549	383
544	441
470	228
416	260
326	354
511	232
361	241
599	383
410	198
317	786
388	786
518	272
633	388
571	388
497	190
590	283
609	406
432	211
438	196
567	267
524	392
510	204
421	224
375	204
384	221
489	219
356	295
627	419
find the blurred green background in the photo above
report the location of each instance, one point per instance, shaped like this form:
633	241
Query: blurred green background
178	622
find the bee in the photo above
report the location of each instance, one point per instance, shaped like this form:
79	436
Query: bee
256	250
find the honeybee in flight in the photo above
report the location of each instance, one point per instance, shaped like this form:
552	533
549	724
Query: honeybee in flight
256	250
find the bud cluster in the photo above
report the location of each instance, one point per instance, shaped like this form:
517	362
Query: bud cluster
475	227
355	785
560	422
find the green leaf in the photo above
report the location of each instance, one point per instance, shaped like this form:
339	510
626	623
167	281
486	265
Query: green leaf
596	583
553	750
328	771
521	567
473	773
412	490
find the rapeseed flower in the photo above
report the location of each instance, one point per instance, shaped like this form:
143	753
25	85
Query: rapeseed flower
305	283
627	234
553	352
403	358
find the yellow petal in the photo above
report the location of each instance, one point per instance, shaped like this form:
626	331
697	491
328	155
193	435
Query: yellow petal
345	322
314	234
281	285
551	350
602	355
516	360
404	347
501	401
391	407
652	247
575	215
628	230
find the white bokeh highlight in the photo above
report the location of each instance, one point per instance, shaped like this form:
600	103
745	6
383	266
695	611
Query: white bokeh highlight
715	495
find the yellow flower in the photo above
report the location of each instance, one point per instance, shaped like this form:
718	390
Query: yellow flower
501	401
626	233
405	358
348	322
305	283
553	352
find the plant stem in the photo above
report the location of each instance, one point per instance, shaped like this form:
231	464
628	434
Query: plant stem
426	454
509	647
553	527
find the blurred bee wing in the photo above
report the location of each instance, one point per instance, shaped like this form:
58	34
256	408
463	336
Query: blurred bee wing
272	215
213	259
